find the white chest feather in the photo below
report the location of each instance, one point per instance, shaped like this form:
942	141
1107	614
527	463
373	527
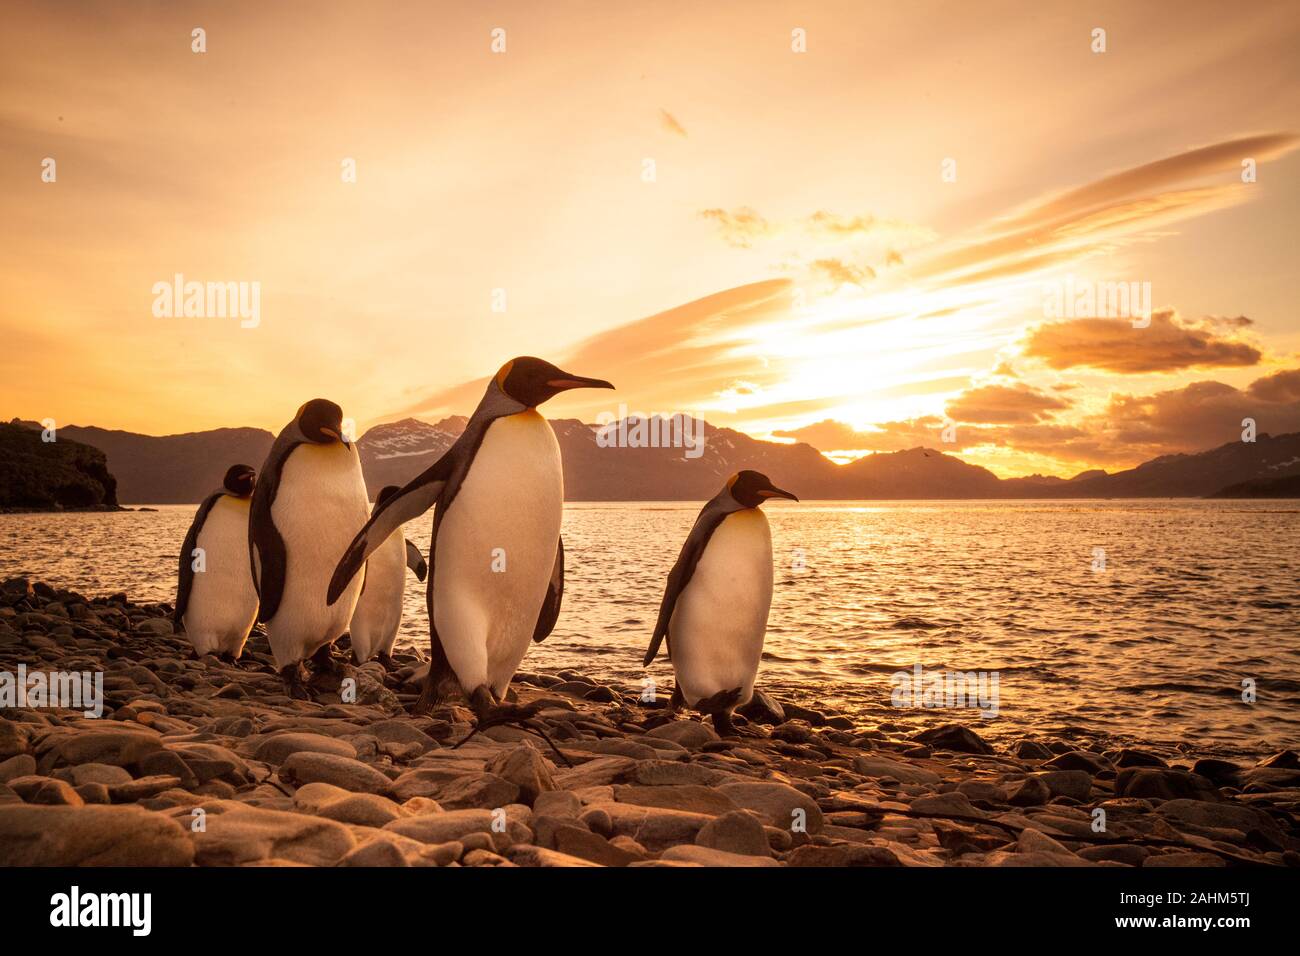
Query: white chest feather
496	548
223	604
319	506
717	628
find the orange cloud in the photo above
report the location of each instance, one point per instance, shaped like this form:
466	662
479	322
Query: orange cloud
1166	345
1004	405
1278	388
1131	429
1201	415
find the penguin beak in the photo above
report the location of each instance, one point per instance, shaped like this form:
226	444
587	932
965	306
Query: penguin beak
576	381
334	434
775	492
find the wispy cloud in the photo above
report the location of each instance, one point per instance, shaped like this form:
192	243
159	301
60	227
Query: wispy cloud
839	272
669	122
740	227
673	360
1090	219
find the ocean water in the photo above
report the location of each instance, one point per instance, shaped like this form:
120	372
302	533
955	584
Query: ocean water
1152	640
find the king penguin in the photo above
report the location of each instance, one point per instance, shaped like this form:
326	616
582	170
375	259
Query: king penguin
496	561
309	499
379	609
714	610
216	602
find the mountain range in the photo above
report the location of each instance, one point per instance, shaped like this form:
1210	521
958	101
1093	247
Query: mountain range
176	469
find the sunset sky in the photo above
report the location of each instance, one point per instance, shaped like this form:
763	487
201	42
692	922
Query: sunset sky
799	267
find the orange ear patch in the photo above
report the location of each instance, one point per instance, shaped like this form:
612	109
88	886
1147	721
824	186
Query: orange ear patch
732	480
504	374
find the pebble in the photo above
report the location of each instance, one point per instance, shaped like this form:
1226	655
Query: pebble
237	834
334	803
736	832
90	836
707	856
777	804
525	769
447	826
954	737
1163	784
843	854
276	748
345	772
525	855
469	790
901	771
582	843
687	733
690	797
1075	784
655	828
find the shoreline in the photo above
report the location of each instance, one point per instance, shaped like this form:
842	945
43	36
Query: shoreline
276	781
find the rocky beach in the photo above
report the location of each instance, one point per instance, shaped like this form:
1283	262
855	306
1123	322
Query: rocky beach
197	762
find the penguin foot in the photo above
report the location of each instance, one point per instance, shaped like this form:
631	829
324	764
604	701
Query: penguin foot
386	661
483	701
723	725
291	674
657	719
322	662
431	696
493	714
226	657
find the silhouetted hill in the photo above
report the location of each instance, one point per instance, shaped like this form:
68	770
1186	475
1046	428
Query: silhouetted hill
1195	475
57	475
173	469
1285	487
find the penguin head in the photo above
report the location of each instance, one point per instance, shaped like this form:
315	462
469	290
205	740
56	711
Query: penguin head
384	494
531	381
752	488
239	480
321	421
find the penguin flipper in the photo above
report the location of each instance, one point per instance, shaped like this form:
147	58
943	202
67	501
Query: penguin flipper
554	594
415	498
415	560
267	554
710	517
185	581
